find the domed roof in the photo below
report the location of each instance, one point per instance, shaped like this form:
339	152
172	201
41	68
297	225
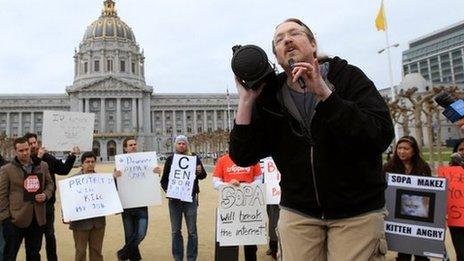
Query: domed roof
109	25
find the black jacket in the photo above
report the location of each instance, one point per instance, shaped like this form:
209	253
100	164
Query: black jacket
335	169
167	168
56	166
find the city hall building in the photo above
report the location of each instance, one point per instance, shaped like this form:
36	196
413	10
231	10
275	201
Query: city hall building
109	81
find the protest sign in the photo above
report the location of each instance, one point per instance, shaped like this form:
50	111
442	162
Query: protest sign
241	215
416	220
89	195
182	177
455	209
272	179
138	186
63	130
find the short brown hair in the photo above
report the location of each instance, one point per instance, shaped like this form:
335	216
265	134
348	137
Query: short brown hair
88	154
19	140
124	142
307	31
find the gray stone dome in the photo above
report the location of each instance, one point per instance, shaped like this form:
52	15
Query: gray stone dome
109	26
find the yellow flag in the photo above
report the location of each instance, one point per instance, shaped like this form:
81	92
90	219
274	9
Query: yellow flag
381	21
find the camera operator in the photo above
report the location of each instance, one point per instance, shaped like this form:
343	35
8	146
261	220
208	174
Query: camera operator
325	125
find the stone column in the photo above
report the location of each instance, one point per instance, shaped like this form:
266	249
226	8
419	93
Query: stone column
80	106
87	105
8	124
214	120
118	115
20	124
102	115
195	127
163	124
205	123
134	114
32	122
184	121
174	123
140	119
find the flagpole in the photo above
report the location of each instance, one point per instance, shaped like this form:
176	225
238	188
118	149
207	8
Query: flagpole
390	71
392	88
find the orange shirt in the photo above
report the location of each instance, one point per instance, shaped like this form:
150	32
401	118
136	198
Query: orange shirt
227	170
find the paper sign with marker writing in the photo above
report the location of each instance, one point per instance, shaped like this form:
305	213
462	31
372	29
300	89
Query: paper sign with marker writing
241	215
63	130
138	186
455	208
89	195
272	179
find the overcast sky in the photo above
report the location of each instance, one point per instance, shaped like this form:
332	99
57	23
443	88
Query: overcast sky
187	43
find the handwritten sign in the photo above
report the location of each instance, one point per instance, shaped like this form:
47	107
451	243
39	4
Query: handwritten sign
272	179
63	130
89	195
138	186
455	209
182	177
241	215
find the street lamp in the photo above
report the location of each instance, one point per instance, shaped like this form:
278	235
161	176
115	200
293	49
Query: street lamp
383	49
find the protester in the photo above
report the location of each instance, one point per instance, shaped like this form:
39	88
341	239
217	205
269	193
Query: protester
177	208
327	141
457	233
92	230
56	166
135	220
407	159
227	172
25	186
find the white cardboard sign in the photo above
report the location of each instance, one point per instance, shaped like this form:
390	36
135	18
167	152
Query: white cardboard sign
272	179
138	186
241	215
182	177
89	195
63	130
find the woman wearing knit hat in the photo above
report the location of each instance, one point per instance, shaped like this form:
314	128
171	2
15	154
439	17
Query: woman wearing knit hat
177	208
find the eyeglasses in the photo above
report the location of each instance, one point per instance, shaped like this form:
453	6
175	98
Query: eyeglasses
292	33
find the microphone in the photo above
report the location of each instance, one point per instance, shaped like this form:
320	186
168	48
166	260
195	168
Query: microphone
454	109
457	159
291	62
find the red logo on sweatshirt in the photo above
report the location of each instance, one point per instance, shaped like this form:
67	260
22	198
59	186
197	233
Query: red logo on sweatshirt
32	183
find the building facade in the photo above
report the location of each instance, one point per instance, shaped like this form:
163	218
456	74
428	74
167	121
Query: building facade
109	80
437	56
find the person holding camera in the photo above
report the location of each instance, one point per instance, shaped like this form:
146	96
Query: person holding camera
326	126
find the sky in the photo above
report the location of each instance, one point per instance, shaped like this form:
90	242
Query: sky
187	43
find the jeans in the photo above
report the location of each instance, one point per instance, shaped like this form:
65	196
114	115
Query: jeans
14	237
189	210
135	221
50	240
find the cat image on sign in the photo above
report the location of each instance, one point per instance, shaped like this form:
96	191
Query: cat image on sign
417	206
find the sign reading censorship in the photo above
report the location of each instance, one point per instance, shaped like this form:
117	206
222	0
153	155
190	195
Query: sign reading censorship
138	186
182	177
89	195
241	215
63	130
